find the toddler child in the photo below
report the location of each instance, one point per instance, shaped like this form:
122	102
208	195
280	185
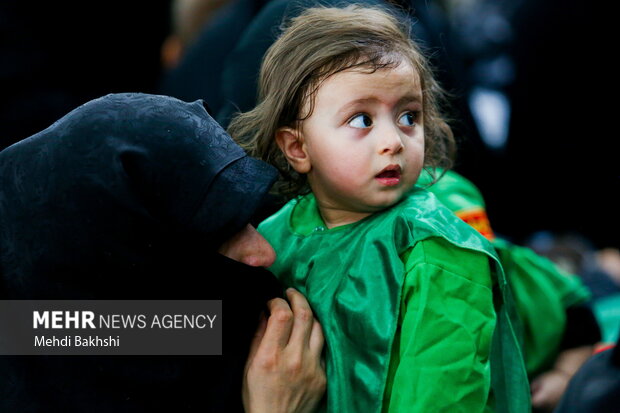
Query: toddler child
411	299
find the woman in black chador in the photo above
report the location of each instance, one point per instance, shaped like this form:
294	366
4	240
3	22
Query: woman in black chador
130	196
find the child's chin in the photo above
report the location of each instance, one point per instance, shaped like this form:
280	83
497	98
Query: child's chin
382	204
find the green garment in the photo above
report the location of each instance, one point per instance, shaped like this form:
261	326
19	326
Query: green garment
379	341
541	290
444	331
542	294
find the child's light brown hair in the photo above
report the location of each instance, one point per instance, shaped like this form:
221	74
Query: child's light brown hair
317	44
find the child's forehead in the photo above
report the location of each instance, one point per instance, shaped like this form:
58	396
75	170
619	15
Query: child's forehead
387	67
400	79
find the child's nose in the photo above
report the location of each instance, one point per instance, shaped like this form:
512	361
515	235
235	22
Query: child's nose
391	142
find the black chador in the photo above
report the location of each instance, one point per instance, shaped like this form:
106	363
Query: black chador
128	197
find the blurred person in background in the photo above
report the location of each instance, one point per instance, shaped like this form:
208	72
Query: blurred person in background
203	33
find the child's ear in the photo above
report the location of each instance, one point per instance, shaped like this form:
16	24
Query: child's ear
291	143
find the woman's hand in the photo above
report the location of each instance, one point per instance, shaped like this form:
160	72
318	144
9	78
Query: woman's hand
284	372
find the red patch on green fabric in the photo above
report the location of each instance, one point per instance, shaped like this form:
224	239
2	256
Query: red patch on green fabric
479	220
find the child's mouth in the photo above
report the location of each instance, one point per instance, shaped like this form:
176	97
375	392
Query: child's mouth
389	176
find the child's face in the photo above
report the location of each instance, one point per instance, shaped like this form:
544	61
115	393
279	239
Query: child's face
365	139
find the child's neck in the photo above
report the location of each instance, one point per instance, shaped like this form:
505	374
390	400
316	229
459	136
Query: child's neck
337	217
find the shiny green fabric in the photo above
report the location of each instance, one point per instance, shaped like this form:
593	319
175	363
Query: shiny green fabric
353	277
542	294
542	291
452	189
444	332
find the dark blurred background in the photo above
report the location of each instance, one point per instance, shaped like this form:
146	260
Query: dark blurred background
531	83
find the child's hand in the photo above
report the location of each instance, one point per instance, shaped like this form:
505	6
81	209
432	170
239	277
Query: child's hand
548	388
284	373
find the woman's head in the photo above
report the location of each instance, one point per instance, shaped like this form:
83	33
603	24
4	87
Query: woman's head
317	45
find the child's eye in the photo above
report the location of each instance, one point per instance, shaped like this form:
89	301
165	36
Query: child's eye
361	121
408	119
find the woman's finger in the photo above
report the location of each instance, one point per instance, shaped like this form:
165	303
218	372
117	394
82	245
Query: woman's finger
257	339
279	325
302	318
317	340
